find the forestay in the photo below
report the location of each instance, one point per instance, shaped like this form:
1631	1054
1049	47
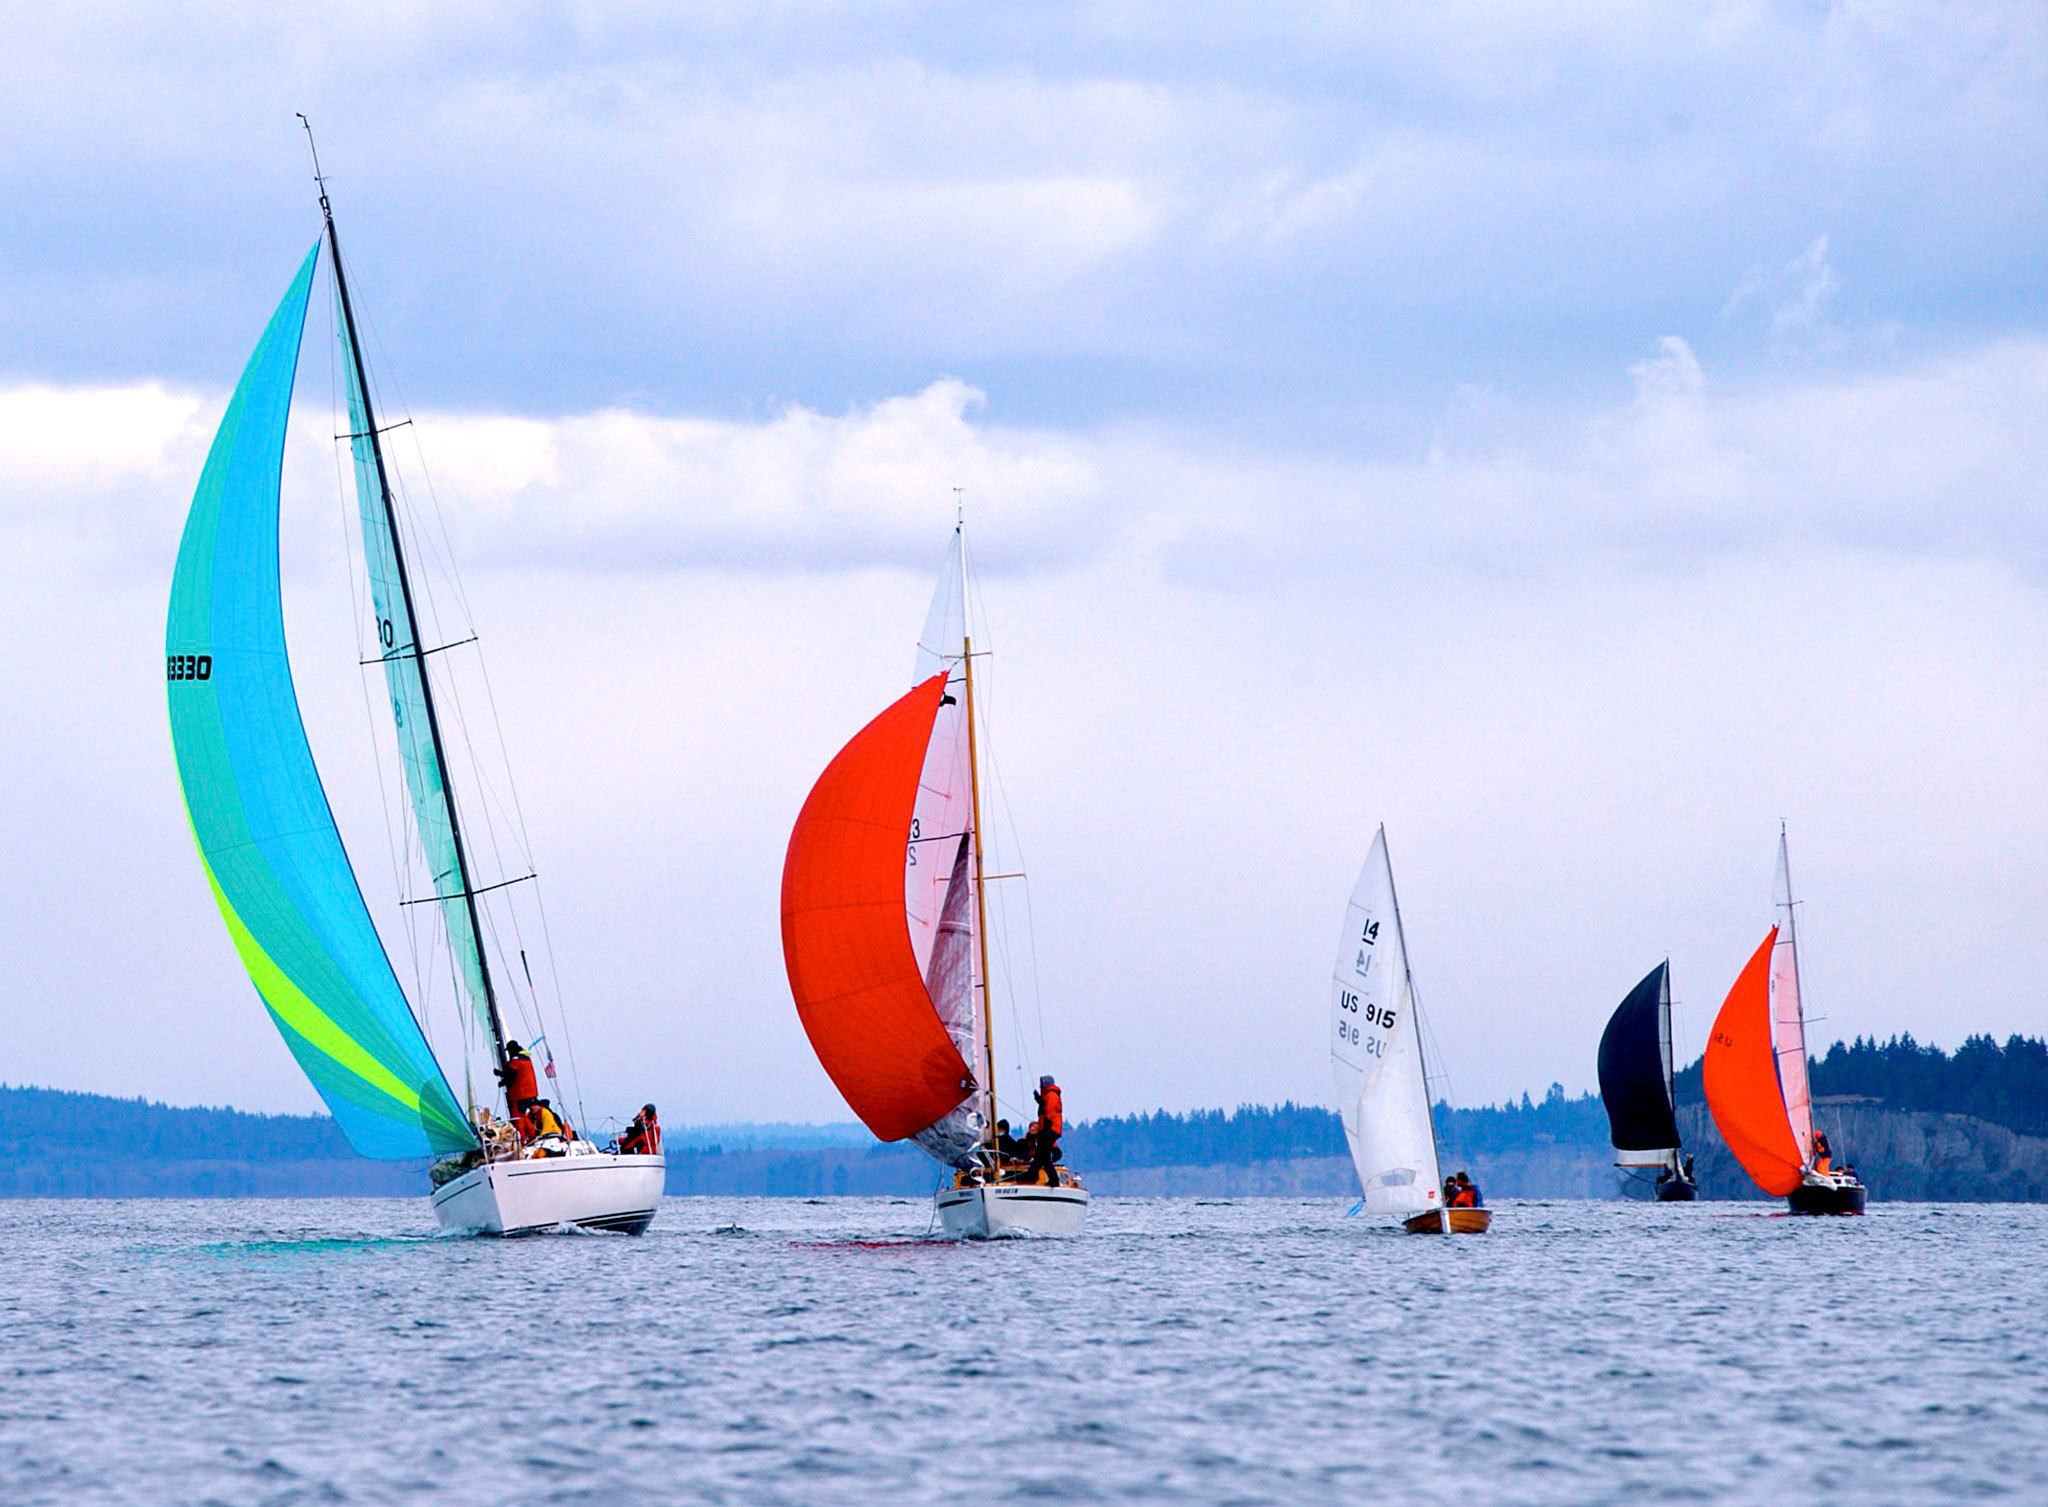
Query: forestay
266	836
1376	1051
938	863
1788	1019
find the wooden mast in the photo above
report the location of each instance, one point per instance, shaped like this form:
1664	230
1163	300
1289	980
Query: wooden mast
988	1039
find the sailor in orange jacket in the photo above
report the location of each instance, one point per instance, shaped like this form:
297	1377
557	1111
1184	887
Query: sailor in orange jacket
1045	1145
643	1136
517	1075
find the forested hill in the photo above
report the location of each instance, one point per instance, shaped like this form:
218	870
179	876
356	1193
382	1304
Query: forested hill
1922	1122
2005	1085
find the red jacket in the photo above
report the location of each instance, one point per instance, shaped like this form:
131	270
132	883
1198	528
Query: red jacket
520	1083
1051	1113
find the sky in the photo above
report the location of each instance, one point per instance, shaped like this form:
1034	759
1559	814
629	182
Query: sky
1578	437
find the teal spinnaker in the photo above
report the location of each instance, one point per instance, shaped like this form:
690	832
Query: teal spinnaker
267	838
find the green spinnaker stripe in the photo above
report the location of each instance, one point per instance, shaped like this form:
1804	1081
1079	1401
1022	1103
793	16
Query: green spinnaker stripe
295	1008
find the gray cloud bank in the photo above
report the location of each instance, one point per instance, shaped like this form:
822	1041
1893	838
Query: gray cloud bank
1255	220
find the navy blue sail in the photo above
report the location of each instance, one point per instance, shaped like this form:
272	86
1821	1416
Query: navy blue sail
1635	1075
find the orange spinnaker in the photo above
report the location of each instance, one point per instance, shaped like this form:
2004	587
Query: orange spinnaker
846	935
1743	1089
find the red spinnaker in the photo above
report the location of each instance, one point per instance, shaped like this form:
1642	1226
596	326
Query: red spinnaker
846	936
1743	1088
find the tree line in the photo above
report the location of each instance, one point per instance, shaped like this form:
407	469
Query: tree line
2005	1084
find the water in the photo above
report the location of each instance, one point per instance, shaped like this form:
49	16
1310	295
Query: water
773	1351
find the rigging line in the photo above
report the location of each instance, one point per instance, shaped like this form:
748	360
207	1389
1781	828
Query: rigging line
425	547
970	581
568	1037
404	652
436	899
359	591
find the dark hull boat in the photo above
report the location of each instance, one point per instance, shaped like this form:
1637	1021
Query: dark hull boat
1834	1196
1635	1087
1677	1189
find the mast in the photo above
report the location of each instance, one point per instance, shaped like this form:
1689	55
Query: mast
1792	931
348	324
1664	1040
1798	977
988	1039
1415	1024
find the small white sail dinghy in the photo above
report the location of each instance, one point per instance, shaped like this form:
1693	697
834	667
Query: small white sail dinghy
1756	1079
273	853
1376	1052
885	937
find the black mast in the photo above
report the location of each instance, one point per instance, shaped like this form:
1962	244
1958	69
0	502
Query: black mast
355	350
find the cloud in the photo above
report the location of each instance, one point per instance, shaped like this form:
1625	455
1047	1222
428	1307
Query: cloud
1942	456
1131	214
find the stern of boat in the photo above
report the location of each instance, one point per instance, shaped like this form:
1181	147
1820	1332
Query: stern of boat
998	1211
1827	1194
1462	1221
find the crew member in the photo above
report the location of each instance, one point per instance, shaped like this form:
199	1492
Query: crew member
517	1077
643	1136
1008	1147
1465	1193
1823	1155
541	1118
1052	1121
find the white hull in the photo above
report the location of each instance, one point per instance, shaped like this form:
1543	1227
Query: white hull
992	1213
523	1195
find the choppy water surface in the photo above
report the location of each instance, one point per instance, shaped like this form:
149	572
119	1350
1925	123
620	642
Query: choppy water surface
771	1351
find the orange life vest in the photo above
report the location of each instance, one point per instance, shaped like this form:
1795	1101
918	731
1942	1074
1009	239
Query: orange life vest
1467	1197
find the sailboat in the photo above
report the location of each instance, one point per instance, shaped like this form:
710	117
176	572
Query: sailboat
885	936
1376	1052
1635	1085
273	854
1756	1075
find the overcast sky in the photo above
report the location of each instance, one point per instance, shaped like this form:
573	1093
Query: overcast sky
1577	438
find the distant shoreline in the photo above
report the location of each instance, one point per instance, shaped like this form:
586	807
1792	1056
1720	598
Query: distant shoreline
77	1145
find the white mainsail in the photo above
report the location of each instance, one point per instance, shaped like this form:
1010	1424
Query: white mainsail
938	859
949	980
1788	1018
1376	1051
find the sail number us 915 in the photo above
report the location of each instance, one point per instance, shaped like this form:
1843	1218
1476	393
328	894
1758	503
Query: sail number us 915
1367	1013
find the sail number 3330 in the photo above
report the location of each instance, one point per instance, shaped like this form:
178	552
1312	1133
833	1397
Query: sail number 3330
188	667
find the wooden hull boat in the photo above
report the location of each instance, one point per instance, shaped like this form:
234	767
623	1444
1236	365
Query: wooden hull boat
1463	1222
999	1211
1830	1196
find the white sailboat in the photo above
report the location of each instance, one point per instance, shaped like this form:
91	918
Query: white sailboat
1376	1055
885	937
1755	1073
273	853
